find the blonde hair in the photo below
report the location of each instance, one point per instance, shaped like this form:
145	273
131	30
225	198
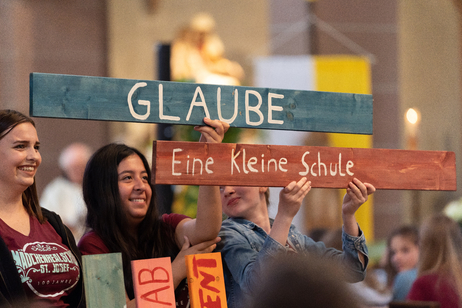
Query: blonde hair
441	250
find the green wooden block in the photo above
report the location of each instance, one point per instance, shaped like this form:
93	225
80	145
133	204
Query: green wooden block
148	101
103	280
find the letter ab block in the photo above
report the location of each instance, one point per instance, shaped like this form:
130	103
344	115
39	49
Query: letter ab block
153	283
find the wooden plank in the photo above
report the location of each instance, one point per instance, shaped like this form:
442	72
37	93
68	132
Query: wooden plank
103	280
206	280
153	283
194	163
147	101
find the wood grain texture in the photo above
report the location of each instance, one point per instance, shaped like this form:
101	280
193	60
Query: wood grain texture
103	98
195	163
206	280
103	280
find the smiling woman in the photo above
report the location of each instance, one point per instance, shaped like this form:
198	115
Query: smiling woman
123	214
134	188
28	232
20	150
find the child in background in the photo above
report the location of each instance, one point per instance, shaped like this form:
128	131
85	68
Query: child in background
403	245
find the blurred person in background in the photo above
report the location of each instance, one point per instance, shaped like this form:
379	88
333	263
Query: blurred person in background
439	271
303	281
403	246
63	195
370	292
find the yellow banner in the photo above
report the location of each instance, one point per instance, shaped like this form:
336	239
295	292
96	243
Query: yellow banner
350	74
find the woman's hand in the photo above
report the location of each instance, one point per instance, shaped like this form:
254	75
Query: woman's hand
204	247
179	269
213	131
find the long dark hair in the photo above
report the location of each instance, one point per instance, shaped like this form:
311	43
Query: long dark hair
9	119
108	220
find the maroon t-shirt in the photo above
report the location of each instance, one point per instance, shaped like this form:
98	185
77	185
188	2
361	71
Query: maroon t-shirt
47	267
91	244
432	287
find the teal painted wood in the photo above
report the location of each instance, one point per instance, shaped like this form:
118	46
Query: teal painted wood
103	280
103	98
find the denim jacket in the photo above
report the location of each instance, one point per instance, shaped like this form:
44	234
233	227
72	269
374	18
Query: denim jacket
246	248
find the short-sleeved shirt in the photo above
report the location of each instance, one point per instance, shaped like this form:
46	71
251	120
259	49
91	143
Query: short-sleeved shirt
91	244
403	283
47	268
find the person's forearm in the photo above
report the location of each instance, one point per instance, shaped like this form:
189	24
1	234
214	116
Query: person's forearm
350	227
209	215
178	271
280	229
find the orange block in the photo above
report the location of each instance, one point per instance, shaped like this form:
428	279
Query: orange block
153	282
206	281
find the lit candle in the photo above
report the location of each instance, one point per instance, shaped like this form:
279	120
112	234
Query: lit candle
412	127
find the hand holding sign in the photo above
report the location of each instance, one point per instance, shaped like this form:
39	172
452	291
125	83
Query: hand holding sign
357	193
214	131
291	197
179	266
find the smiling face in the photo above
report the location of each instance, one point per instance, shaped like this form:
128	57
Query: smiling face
135	191
20	157
404	253
243	202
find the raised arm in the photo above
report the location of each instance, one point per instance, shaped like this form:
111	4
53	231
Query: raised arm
290	200
357	193
208	220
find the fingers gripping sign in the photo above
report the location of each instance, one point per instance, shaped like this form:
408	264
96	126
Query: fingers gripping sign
356	195
290	201
213	131
291	197
178	264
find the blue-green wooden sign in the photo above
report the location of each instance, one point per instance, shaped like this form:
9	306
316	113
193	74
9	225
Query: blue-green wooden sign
150	101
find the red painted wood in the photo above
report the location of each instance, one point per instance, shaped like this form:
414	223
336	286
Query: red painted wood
384	168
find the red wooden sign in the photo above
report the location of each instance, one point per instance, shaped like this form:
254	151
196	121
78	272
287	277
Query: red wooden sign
153	283
194	163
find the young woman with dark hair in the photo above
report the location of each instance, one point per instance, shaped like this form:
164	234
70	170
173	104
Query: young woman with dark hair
123	215
40	263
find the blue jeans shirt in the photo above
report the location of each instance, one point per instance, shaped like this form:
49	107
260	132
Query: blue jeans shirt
245	248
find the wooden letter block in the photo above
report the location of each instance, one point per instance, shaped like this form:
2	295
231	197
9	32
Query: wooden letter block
153	283
198	163
206	281
104	281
